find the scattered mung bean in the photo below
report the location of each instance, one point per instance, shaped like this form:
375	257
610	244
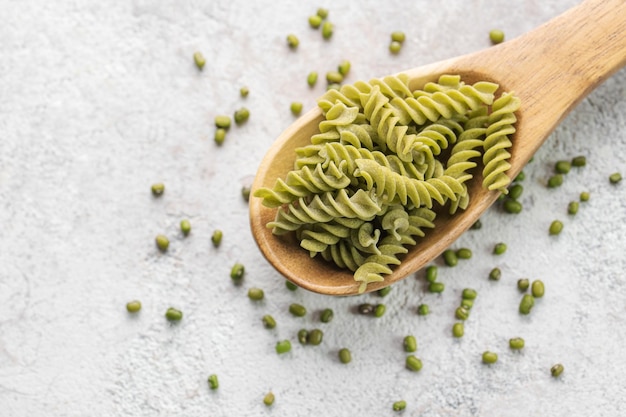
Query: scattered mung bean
499	248
162	242
413	363
296	108
523	284
399	405
222	121
516	343
615	178
490	357
213	382
450	257
495	274
458	329
379	310
315	21
383	292
173	314
556	227
297	310
133	306
198	58
327	30
512	206
345	356
496	36
461	313
423	309
527	303
216	238
268	321
555	181
237	271
572	207
537	289
431	273
269	398
256	294
315	337
469	294
344	67
327	315
244	91
410	344
515	191
283	346
398	36
521	176
557	370
323	13
467	304
311	79
293	41
436	287
562	167
395	47
241	116
185	227
579	161
290	285
303	336
584	196
158	189
464	253
220	135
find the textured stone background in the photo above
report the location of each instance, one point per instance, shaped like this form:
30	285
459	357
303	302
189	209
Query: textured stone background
98	100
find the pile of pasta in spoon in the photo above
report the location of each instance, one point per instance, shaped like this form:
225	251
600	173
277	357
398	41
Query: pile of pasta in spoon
384	160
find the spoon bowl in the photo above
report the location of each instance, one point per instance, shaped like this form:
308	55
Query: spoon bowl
551	69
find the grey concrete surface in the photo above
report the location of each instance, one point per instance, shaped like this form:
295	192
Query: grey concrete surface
98	100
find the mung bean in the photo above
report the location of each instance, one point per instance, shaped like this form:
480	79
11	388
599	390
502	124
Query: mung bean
579	161
527	303
296	108
220	135
303	335
458	329
615	178
297	310
133	306
395	47
283	346
431	273
461	313
413	363
158	189
327	315
327	30
584	196
423	309
537	289
556	227
398	36
256	294
399	405
572	207
450	257
512	206
557	370
496	36
269	398
213	382
216	238
268	321
383	292
495	274
516	343
311	79
185	227
315	337
323	13
515	191
562	167
345	356
237	271
222	121
499	248
523	284
162	242
290	285
379	310
464	253
198	58
244	91
410	344
334	77
241	116
469	294
344	67
490	357
293	41
555	181
173	314
436	287
315	21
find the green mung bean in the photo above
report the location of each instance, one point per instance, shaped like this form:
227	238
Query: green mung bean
245	192
557	370
345	356
334	77
327	30
198	58
241	116
562	167
413	363
458	329
237	271
268	321
315	21
490	357
395	47
244	91
269	398
296	108
436	287
222	121
469	294
512	206
537	289
410	344
572	207
467	304
173	314
162	242
450	257
344	67
185	227
499	248
292	41
290	285
297	310
579	161
477	225
216	238
213	382
496	36
527	303
555	181
399	405
256	294
521	176
158	189
283	346
515	191
133	306
383	292
398	36
315	337
379	310
220	135
303	335
555	227
311	79
495	274
516	343
431	273
584	196
365	308
615	178
423	309
323	13
464	253
461	313
523	284
327	315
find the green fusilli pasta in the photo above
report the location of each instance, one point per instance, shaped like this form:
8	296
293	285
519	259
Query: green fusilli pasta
385	160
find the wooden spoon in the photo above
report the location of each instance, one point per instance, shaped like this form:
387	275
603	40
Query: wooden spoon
551	69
